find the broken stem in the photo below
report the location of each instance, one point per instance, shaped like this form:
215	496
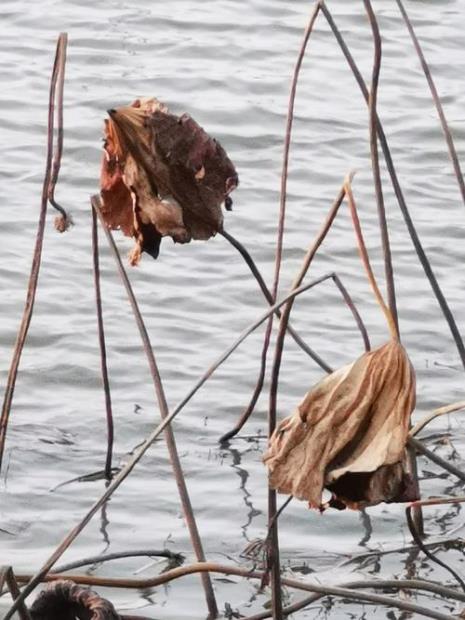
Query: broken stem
58	75
435	414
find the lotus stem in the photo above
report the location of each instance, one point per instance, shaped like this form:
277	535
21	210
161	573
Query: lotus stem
344	591
57	79
103	350
139	452
372	102
437	101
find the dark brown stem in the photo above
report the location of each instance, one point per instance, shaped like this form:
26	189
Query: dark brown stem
142	448
288	308
360	324
261	282
164	412
417	538
273	556
103	350
449	317
58	75
372	102
56	163
437	102
422	449
99	559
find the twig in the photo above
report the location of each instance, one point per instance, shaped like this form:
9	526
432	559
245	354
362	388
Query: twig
437	101
449	317
139	452
436	459
372	101
99	559
164	412
58	75
344	591
103	351
261	282
435	414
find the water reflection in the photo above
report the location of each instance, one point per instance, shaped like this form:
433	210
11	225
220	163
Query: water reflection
243	474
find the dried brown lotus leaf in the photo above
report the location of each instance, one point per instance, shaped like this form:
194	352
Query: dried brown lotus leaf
175	174
349	434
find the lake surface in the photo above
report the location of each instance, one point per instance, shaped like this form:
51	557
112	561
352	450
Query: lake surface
229	64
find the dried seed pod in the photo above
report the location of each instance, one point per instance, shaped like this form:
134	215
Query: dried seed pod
65	600
349	435
162	175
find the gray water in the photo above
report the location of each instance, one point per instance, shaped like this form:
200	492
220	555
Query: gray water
228	63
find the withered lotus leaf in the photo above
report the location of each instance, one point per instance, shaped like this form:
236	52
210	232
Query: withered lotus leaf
349	435
162	175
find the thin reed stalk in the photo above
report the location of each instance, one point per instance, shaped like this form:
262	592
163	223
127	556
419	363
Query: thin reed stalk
349	591
449	317
57	81
103	349
437	101
164	412
372	102
142	448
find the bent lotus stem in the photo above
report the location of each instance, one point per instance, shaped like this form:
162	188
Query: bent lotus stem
366	261
57	79
417	538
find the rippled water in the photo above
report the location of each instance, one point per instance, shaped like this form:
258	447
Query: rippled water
228	63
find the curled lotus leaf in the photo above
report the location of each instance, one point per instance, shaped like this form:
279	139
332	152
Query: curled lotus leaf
349	435
162	176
